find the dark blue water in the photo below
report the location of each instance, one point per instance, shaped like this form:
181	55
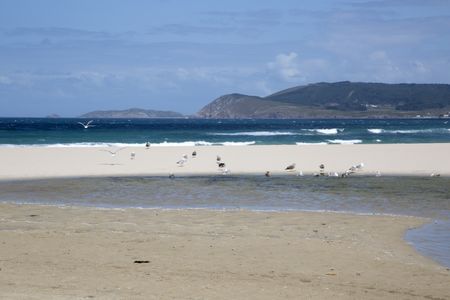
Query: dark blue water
67	132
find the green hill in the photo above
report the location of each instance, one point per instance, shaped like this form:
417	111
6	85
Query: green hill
340	99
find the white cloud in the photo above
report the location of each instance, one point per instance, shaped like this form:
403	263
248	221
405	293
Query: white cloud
286	66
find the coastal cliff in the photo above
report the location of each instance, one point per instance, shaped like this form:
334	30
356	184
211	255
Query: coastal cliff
340	100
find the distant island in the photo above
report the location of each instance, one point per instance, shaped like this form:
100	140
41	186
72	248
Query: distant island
132	113
53	116
337	100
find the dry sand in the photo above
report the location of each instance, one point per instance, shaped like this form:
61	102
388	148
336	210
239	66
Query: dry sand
82	253
394	159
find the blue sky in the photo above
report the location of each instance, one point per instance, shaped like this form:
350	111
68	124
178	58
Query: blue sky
71	57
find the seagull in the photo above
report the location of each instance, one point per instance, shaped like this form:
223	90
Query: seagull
182	161
194	154
435	175
133	155
113	153
147	145
291	167
221	164
333	174
225	171
267	174
359	166
87	125
218	158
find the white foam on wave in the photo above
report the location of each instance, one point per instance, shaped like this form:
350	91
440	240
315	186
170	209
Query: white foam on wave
345	142
121	145
375	130
187	143
327	131
73	145
237	143
308	144
255	133
408	131
202	143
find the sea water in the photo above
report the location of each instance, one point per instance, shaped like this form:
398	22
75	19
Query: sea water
414	196
202	132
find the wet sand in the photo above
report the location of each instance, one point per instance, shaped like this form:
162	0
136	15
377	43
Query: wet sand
84	253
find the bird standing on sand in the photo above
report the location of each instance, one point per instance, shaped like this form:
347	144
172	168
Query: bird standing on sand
112	152
221	164
132	155
218	158
322	170
147	145
87	125
194	154
291	167
182	161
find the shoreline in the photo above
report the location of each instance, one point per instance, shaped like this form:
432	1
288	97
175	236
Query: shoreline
387	159
77	252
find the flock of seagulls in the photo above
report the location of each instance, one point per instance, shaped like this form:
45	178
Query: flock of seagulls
346	173
222	166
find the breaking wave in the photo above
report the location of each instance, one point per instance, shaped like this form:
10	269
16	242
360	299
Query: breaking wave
345	142
120	145
255	133
408	131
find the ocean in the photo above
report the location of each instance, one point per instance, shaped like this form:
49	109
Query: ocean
414	196
203	132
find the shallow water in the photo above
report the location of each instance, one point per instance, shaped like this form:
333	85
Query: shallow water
416	196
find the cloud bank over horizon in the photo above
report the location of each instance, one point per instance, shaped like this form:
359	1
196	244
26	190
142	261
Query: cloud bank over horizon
172	55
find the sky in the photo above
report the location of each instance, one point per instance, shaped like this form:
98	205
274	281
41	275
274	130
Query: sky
74	56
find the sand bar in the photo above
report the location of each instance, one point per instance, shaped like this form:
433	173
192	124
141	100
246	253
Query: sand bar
80	253
393	159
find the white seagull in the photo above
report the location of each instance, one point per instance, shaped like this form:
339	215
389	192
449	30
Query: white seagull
113	152
87	125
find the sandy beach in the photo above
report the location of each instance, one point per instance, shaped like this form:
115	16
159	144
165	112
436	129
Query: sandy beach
389	159
50	252
82	253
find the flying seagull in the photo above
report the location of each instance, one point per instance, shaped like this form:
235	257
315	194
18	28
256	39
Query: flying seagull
113	152
291	167
87	125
